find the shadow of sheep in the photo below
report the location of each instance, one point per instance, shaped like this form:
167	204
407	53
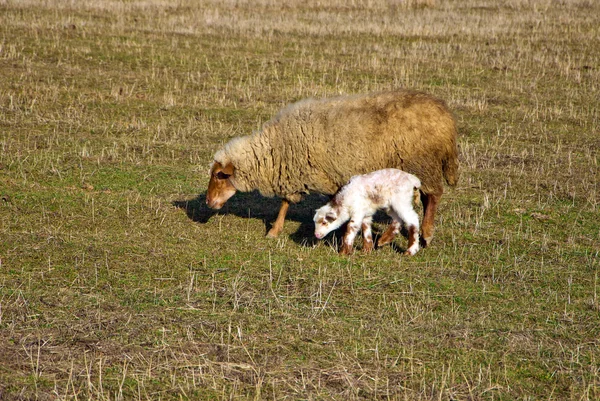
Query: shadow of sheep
253	205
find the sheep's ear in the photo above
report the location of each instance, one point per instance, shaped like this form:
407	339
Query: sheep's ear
224	172
228	169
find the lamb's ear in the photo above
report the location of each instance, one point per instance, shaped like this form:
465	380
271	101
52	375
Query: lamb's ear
331	216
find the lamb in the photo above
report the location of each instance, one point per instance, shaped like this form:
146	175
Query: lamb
317	145
389	189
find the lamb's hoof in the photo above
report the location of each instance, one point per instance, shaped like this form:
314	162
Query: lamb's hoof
367	249
383	241
408	252
346	250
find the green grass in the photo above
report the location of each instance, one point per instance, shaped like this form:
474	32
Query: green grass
116	281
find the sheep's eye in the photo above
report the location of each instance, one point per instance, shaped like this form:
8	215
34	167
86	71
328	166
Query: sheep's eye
329	219
221	175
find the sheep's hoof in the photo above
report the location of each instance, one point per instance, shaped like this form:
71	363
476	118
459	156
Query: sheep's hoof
367	247
273	233
424	242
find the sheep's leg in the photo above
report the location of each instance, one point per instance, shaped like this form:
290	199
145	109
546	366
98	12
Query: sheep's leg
351	230
430	204
367	234
278	224
389	235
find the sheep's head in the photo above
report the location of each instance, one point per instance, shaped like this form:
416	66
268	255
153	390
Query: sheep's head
220	188
327	219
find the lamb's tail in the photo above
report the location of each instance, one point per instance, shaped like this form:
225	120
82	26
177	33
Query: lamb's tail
416	193
415	181
450	166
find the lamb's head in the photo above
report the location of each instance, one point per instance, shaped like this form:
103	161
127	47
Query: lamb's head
329	218
220	188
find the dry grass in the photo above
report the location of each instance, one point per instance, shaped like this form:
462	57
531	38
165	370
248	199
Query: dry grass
117	283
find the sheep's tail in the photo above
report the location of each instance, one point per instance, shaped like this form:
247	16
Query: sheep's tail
450	166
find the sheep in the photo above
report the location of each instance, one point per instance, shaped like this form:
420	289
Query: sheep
389	189
317	145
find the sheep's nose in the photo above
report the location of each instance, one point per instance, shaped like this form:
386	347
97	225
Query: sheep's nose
212	203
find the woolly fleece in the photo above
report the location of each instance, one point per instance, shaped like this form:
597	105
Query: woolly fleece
317	145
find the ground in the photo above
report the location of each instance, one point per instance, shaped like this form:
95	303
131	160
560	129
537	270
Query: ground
117	282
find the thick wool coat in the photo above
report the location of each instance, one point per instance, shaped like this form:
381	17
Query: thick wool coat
316	145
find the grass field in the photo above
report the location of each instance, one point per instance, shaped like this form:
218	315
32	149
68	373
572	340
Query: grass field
117	283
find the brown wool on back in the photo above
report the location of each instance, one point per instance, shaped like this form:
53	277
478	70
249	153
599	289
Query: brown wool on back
317	145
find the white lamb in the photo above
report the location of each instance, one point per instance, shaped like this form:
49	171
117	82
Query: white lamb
389	189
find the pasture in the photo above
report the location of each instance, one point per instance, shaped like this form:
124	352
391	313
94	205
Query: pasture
118	283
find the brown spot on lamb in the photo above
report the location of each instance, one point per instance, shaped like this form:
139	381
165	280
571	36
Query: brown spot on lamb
395	189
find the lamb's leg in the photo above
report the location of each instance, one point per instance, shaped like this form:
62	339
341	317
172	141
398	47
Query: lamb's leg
351	230
430	204
367	234
389	234
413	240
278	224
407	214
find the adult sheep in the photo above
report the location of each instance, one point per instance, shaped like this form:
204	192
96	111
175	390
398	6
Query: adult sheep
317	145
